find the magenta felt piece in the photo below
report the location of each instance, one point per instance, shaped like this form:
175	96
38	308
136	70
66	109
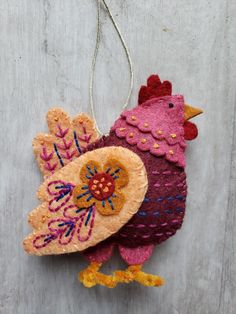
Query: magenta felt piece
156	126
162	211
136	256
132	256
100	253
154	131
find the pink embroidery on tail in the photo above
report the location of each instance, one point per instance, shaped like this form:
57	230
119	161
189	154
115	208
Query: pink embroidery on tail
86	137
65	145
50	167
68	155
45	156
62	133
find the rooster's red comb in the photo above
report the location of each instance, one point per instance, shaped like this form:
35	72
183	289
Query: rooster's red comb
155	88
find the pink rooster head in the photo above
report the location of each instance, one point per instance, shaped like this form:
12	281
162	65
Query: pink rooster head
170	108
159	123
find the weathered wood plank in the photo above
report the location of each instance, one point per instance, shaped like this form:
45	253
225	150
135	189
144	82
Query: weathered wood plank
46	49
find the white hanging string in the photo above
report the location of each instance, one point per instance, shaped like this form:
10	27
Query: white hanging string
91	84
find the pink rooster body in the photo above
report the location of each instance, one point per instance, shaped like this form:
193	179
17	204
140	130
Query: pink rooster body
154	130
160	215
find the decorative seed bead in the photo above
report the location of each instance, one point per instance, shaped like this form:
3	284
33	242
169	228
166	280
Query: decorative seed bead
173	135
121	129
156	145
131	134
143	140
159	132
171	152
145	124
133	118
44	218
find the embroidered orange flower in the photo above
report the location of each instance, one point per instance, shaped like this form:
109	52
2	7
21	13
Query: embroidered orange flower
101	186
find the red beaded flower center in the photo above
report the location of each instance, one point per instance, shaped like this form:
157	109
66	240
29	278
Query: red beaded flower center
101	186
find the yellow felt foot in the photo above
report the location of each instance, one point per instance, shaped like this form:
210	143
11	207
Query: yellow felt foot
124	276
127	275
88	275
146	279
91	277
134	273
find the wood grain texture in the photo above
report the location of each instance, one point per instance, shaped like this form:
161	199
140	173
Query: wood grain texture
46	49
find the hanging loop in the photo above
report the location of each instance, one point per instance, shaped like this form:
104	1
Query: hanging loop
91	84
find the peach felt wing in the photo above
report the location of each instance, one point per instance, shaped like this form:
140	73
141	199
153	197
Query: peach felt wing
87	201
65	142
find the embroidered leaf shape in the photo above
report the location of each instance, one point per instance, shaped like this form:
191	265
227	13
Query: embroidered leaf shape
66	140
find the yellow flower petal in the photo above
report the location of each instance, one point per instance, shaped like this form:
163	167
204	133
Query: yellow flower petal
82	196
89	170
117	171
112	205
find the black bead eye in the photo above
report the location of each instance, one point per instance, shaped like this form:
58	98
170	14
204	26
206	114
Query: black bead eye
171	105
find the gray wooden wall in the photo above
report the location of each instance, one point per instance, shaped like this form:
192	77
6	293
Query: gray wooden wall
46	49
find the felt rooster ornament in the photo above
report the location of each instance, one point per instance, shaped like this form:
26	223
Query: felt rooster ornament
125	190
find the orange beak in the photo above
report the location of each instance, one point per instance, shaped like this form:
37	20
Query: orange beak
190	112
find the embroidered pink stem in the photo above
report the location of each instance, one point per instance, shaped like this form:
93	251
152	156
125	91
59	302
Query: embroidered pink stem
65	146
46	157
63	229
62	133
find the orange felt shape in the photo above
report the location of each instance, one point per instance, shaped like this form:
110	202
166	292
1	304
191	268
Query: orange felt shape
65	142
101	186
71	217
